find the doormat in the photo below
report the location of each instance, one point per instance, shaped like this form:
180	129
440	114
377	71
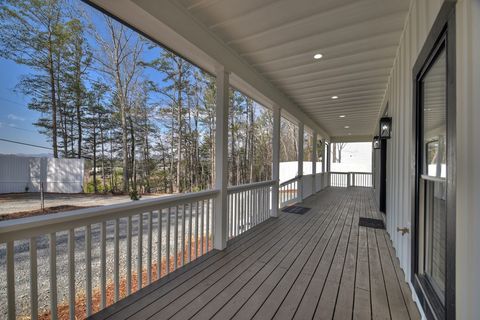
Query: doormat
296	209
371	223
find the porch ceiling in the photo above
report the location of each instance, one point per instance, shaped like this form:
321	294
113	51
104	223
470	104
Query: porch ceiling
358	41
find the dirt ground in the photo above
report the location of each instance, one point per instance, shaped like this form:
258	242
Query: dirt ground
26	204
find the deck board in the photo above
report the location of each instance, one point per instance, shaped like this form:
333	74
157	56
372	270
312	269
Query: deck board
318	265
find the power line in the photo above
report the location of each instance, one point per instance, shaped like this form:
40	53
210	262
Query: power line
36	146
25	144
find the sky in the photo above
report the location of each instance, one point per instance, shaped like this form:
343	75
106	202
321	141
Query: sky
15	118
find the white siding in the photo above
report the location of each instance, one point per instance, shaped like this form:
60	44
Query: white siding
468	159
58	175
399	99
399	167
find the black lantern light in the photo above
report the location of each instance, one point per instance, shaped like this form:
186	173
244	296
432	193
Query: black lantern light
385	127
376	142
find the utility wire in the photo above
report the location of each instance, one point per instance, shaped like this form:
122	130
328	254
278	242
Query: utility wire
36	146
25	144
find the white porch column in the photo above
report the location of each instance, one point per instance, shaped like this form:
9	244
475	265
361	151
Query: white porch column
324	160
314	162
221	160
300	160
276	160
328	163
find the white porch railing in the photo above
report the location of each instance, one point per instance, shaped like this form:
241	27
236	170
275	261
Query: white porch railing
152	236
289	192
339	179
248	205
351	179
361	179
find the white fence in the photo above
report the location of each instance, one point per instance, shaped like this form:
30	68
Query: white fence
25	174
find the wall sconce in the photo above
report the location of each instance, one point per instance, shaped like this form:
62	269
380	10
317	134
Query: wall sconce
376	142
385	127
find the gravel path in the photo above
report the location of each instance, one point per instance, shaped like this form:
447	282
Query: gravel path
18	202
22	262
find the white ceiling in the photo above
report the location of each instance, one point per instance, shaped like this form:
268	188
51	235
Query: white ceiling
358	40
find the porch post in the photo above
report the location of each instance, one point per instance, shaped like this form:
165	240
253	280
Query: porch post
276	160
328	163
300	161
314	162
221	160
323	156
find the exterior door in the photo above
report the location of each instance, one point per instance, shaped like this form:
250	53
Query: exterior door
434	213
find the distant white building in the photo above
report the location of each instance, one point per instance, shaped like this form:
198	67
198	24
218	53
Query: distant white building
25	174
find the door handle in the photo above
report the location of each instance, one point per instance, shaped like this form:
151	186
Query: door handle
403	230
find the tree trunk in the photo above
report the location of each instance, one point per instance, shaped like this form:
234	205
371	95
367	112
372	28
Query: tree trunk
95	187
334	151
102	138
54	100
180	126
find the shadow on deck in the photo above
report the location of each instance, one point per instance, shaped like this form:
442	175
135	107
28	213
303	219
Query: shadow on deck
318	265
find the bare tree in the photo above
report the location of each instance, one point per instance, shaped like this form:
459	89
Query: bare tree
119	59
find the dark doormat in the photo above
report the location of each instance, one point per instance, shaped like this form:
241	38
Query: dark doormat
371	223
296	209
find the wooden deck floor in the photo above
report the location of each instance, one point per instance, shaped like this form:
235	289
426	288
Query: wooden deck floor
320	265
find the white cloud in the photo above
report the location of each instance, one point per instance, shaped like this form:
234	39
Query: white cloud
15	117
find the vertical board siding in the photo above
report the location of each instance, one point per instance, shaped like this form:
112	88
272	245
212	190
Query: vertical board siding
468	156
399	99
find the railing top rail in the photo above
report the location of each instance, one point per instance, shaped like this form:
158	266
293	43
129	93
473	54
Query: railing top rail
290	181
25	228
249	186
338	172
358	172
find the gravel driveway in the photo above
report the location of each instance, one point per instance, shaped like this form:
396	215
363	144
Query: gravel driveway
18	202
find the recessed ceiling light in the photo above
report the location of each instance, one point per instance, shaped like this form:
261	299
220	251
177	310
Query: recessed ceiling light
342	116
347	127
318	56
334	97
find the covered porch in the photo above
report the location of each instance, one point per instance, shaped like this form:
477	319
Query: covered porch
320	265
334	70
